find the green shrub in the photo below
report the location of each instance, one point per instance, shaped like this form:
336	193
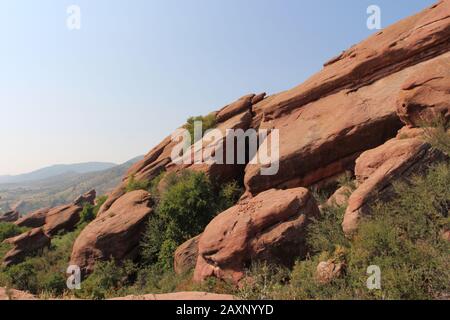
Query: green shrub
90	211
263	281
325	233
9	230
134	184
23	276
108	280
208	122
437	134
402	237
186	203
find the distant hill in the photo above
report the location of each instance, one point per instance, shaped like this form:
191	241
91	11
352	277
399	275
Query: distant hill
57	170
28	195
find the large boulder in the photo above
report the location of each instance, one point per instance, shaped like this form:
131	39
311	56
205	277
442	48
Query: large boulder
269	227
63	218
425	95
24	244
377	169
191	295
114	234
10	216
185	256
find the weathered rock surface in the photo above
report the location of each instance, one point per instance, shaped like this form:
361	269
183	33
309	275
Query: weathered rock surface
237	115
24	244
185	256
270	227
425	95
193	296
33	220
12	294
406	43
323	138
329	270
88	197
378	168
114	234
61	218
10	216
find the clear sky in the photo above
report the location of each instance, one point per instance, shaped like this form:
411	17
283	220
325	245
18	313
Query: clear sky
138	68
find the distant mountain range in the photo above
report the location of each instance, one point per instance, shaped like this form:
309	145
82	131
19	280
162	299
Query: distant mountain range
58	184
56	170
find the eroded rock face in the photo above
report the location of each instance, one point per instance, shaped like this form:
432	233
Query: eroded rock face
88	197
425	95
24	244
269	227
322	139
378	168
193	296
406	43
237	115
114	234
33	220
61	218
185	256
10	216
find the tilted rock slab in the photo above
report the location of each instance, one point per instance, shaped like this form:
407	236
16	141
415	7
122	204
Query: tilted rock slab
376	170
24	244
115	233
269	227
10	216
237	115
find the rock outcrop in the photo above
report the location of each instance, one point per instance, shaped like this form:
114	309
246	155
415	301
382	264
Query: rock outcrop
24	244
425	95
61	218
344	118
194	296
377	169
33	220
185	256
10	216
270	227
115	233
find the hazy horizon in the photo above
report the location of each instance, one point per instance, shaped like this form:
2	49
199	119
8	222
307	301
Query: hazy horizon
136	71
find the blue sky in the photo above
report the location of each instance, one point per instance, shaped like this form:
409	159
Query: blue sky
138	68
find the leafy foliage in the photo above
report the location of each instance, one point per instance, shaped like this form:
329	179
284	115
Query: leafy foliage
186	205
208	122
90	211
